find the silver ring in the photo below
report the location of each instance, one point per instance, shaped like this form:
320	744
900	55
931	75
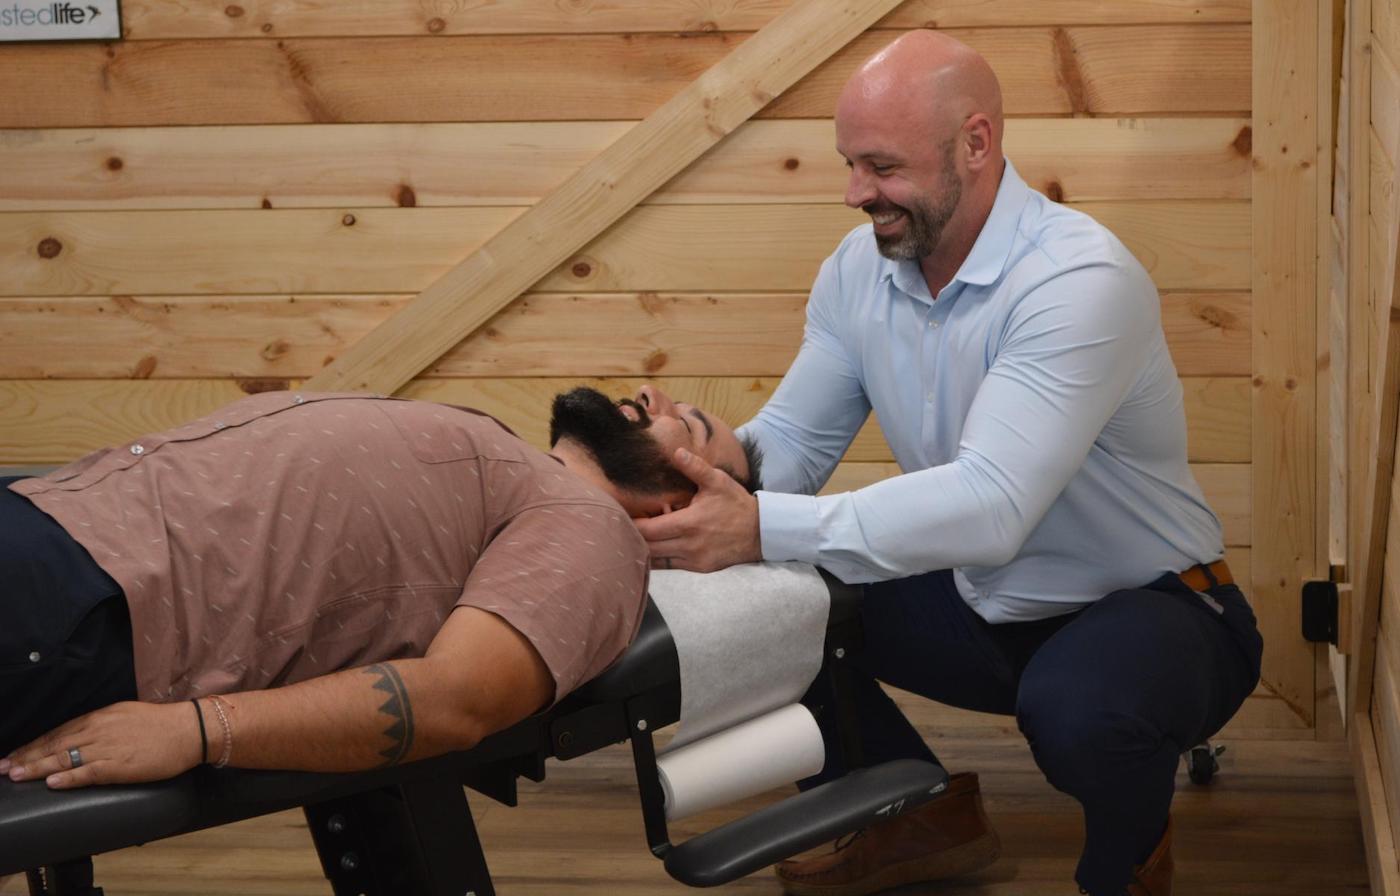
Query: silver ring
75	757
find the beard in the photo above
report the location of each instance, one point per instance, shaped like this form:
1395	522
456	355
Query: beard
625	451
924	218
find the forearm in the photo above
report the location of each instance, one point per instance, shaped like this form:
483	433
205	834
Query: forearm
360	718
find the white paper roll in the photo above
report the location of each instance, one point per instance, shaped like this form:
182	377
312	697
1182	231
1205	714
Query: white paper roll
778	748
749	639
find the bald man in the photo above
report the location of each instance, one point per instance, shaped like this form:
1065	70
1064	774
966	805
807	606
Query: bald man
1046	553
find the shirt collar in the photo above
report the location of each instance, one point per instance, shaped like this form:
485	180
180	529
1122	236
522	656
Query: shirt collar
985	263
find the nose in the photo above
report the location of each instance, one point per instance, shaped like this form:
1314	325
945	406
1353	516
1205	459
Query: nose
860	189
657	403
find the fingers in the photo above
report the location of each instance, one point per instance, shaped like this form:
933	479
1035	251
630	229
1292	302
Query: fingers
699	471
55	766
659	529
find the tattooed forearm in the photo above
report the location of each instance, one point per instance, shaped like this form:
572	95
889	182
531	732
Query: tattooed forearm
398	707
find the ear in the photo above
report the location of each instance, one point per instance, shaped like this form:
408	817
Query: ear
977	136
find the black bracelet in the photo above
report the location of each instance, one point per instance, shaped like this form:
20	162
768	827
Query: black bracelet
203	738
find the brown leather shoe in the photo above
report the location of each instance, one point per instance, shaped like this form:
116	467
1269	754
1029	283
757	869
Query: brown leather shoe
946	837
1154	877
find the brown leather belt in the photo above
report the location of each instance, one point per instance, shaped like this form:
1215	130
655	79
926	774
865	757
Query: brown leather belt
1205	576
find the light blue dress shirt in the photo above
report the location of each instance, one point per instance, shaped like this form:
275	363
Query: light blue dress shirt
1033	409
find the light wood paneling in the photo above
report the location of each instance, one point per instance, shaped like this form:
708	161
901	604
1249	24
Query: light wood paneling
1286	546
632	168
1110	70
540	334
1098	71
54	421
1185	245
1385	717
168	19
510	163
172	252
1376	831
1385	24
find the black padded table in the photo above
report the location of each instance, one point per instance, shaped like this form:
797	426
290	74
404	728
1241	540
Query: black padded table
408	829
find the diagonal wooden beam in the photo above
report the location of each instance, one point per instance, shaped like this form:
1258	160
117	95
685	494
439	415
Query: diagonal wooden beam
625	173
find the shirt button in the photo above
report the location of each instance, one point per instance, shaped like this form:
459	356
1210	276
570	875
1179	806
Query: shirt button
34	656
219	425
929	396
298	399
138	449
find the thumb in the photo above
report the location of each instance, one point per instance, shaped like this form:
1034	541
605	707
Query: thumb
695	467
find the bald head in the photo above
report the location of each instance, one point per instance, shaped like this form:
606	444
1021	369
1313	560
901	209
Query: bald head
920	126
927	79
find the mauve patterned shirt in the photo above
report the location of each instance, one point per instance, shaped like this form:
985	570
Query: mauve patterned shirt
290	535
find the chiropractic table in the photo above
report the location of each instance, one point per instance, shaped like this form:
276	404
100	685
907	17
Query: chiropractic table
407	830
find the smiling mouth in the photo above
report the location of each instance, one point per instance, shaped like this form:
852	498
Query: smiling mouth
884	218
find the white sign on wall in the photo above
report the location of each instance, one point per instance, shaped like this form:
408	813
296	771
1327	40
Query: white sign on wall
24	20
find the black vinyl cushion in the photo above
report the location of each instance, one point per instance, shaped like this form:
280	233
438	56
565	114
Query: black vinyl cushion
39	826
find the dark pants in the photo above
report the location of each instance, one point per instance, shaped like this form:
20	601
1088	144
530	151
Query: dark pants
1108	697
65	638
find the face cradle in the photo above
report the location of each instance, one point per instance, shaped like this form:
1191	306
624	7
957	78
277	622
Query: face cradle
682	425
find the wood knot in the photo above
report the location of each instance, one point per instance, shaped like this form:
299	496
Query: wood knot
49	247
791	164
405	197
1257	382
581	269
435	25
1243	143
233	11
267	28
114	163
655	361
1217	317
274	349
144	368
1290	384
253	386
266	203
1055	191
348	220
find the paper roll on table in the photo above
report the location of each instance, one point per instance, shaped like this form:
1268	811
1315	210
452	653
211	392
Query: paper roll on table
774	749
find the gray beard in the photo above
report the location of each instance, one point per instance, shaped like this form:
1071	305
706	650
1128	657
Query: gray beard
924	225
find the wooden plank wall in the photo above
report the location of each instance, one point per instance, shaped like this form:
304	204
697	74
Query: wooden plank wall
228	198
1375	223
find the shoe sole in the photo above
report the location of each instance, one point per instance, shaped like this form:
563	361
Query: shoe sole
971	856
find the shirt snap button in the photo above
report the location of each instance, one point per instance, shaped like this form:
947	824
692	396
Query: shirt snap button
34	656
298	400
138	449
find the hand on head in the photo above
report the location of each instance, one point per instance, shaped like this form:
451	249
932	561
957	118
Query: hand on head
719	528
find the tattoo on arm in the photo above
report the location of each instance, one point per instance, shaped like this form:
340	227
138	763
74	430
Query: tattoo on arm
398	707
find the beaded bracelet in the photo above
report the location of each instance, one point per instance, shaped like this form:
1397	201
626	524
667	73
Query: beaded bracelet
218	705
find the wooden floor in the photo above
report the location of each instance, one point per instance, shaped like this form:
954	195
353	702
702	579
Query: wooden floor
1280	820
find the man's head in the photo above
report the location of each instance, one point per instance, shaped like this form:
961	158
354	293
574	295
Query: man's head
920	126
632	441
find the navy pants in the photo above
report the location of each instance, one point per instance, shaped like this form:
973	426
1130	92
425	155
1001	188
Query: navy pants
1108	697
65	636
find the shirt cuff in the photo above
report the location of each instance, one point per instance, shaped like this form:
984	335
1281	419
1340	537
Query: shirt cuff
787	527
